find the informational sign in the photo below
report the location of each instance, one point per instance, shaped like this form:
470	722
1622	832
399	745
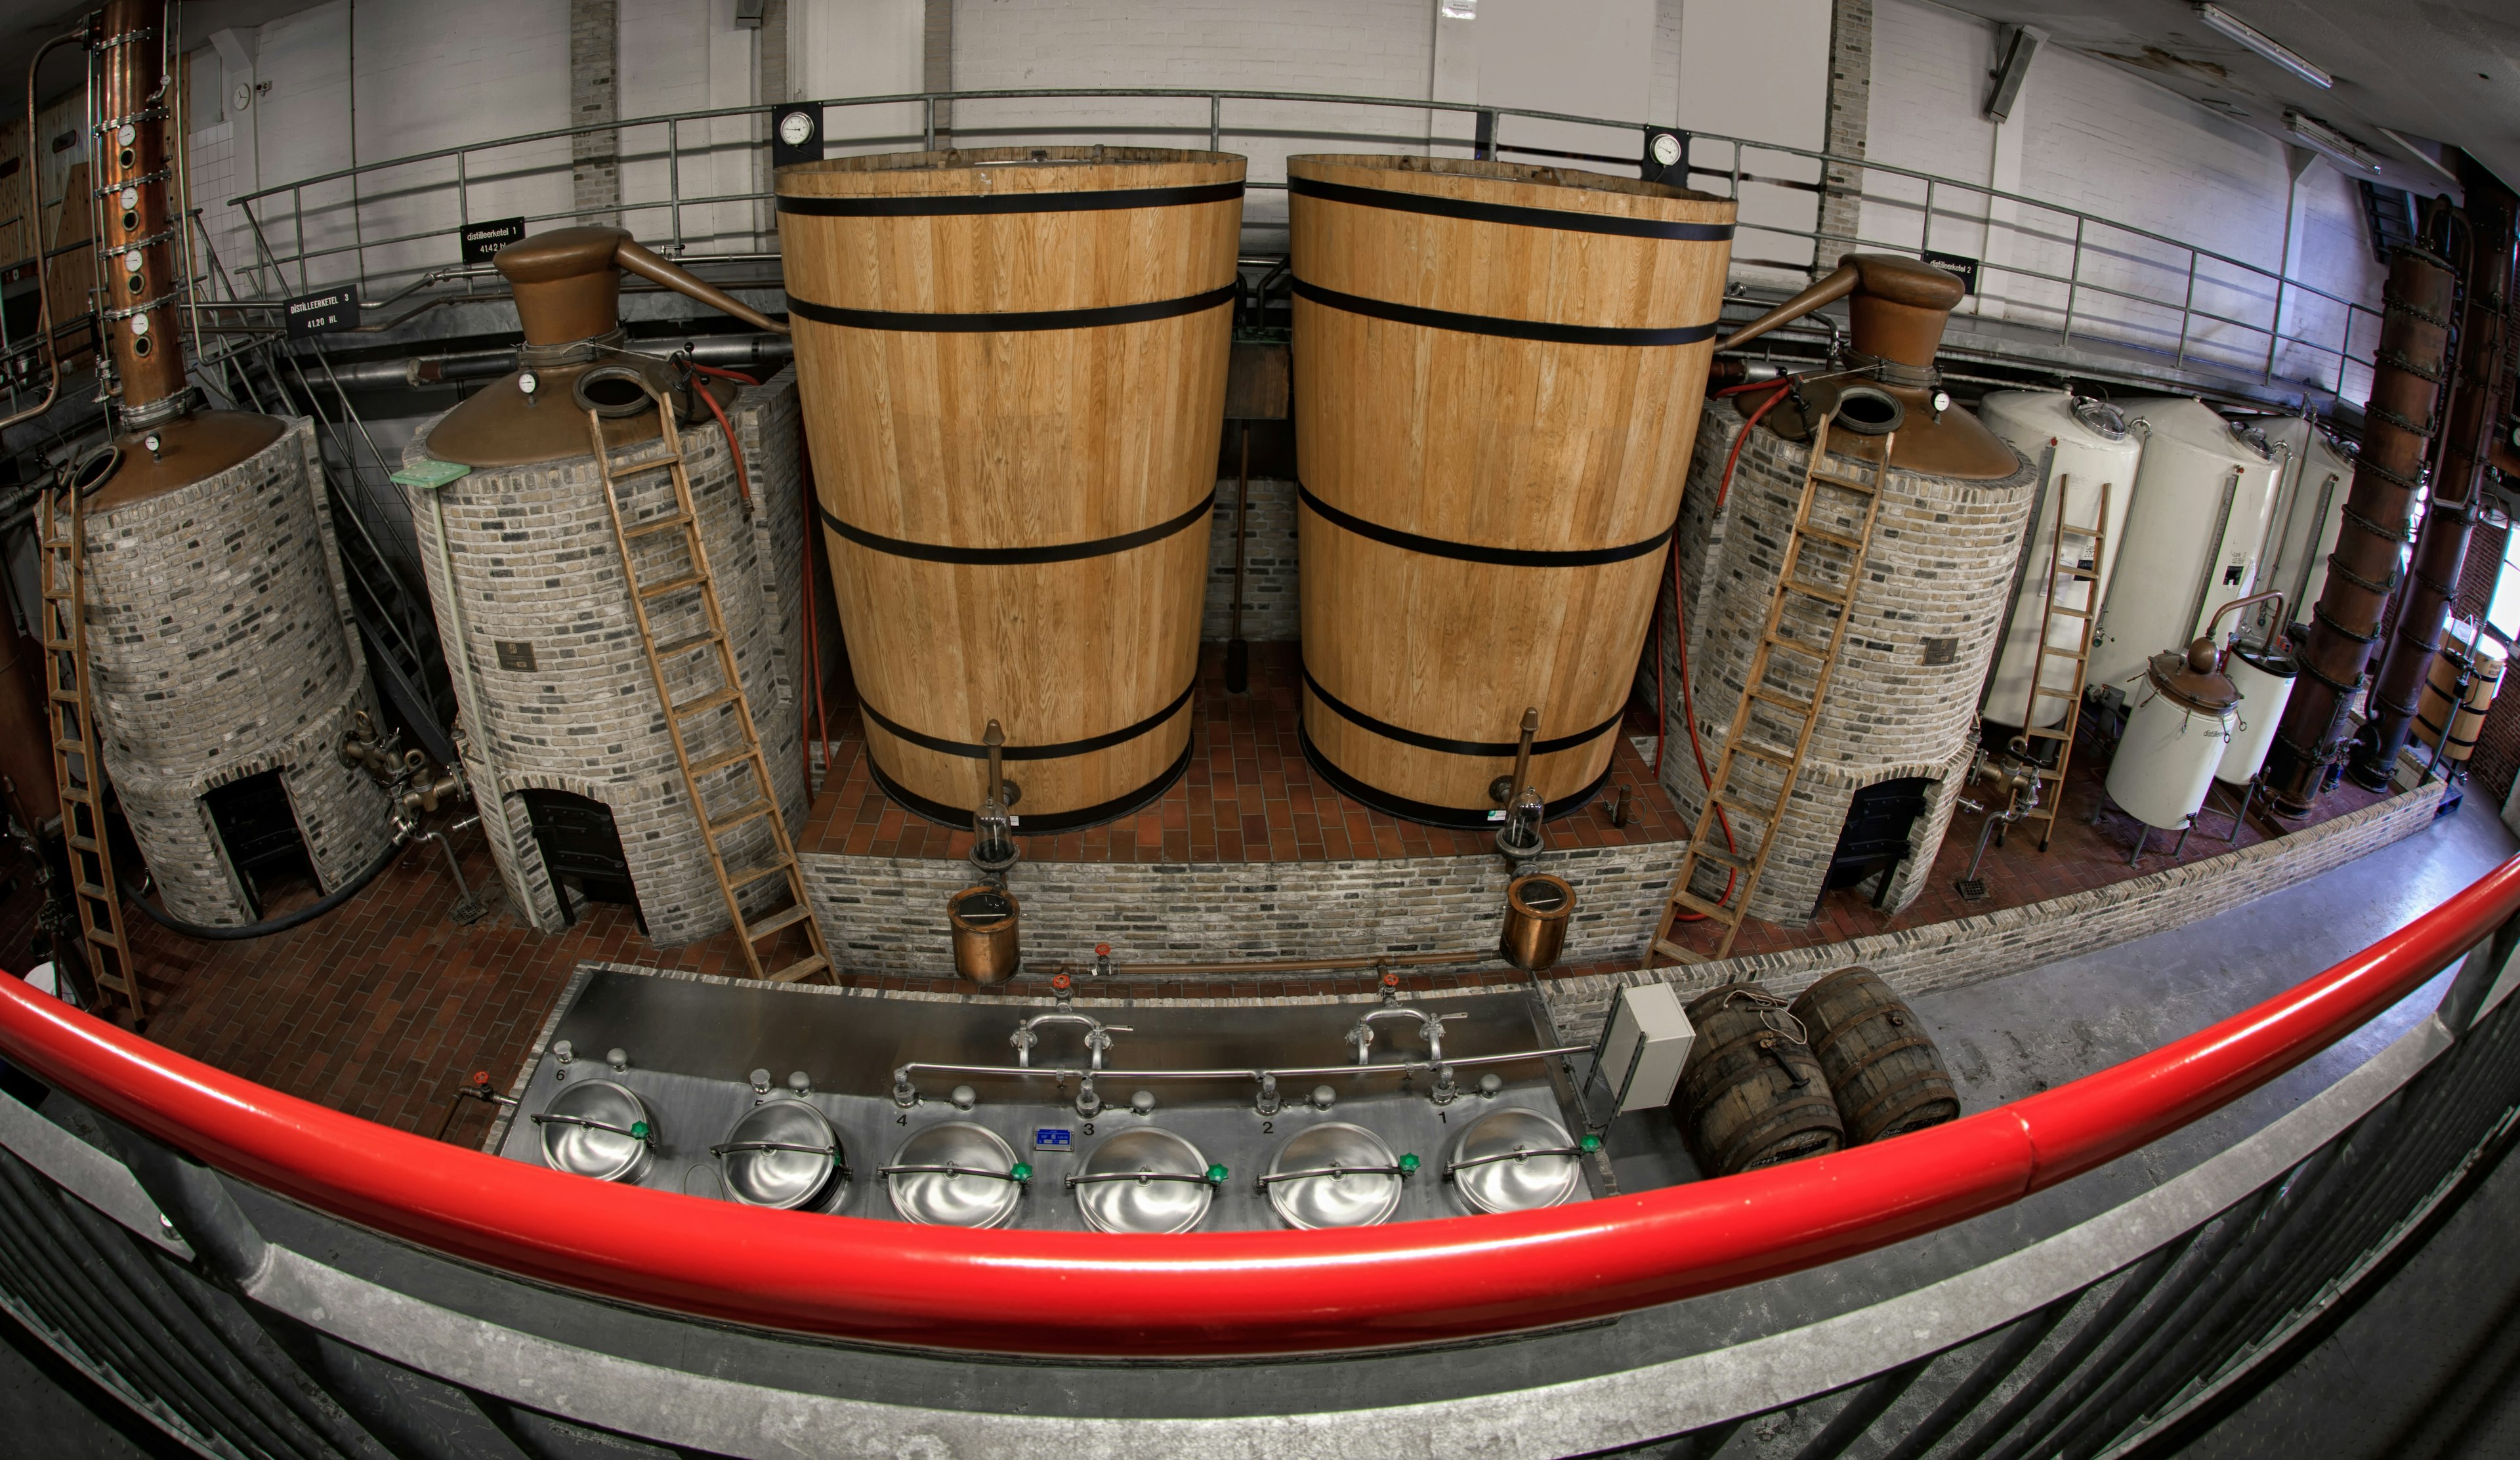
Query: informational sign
326	313
516	655
1955	263
1053	1138
484	240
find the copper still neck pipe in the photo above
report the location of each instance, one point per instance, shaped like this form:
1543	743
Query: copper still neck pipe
137	287
33	209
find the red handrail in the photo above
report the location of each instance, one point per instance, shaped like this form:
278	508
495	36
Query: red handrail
1225	1292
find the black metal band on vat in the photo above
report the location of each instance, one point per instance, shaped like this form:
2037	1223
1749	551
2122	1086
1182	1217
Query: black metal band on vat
1510	558
1046	824
915	206
1007	558
1428	812
1011	320
1445	744
1509	213
1480	324
1057	751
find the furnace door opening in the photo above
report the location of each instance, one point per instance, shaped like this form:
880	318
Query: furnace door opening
257	826
581	852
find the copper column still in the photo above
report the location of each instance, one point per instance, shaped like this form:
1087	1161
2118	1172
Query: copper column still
2477	403
2378	513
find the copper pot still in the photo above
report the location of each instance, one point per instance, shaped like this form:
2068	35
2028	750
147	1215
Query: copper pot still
985	921
1535	909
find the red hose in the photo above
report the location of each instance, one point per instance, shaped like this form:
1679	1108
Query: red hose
743	483
813	651
1680	638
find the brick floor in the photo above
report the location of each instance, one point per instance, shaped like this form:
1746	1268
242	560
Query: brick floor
1248	796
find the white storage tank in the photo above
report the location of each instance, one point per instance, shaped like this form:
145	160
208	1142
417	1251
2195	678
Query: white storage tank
2203	492
2174	739
2263	677
2081	445
2310	508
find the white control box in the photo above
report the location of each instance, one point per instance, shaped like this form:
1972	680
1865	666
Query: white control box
1644	1043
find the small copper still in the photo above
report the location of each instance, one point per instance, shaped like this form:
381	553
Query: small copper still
985	920
1535	909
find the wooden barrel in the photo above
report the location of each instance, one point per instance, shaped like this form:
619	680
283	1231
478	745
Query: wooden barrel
2461	647
1752	1092
1879	1062
1011	363
1497	375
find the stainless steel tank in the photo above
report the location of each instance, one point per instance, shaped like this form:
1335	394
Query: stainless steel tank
2194	533
2174	739
2081	445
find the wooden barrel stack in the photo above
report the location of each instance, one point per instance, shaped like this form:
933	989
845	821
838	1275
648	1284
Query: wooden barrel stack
1498	370
1752	1092
1879	1062
1013	368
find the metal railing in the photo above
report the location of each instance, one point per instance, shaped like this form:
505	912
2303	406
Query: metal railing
2056	274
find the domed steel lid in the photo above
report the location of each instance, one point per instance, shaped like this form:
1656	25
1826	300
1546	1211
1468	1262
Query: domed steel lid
598	1129
2193	681
956	1174
1144	1179
782	1153
2099	417
1335	1174
1514	1160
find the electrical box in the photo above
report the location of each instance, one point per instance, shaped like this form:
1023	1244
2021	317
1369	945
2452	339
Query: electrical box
1644	1043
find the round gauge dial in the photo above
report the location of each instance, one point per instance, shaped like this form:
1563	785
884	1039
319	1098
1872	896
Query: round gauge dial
796	128
1666	148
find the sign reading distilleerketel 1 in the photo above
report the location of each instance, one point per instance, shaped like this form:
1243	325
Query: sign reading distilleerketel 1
482	240
323	313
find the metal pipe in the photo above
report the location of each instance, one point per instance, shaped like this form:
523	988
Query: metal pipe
1282	965
2214	626
34	215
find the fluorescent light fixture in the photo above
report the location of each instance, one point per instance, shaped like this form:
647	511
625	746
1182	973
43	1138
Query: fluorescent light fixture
2419	154
2259	41
2331	141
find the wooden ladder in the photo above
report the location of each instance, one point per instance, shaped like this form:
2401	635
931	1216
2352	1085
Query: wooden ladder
764	806
2060	573
1801	715
78	764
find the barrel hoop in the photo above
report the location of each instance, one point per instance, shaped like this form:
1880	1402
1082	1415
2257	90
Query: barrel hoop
2377	529
1828	1041
2397	575
1426	812
1508	557
1057	751
2319	612
1505	212
2406	424
1902	1093
1445	744
1859	1067
1483	323
922	205
1796	1117
1049	823
1012	321
1001	558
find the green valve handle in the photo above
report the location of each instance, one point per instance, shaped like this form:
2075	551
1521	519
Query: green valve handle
1590	1144
1216	1175
639	1129
1408	1164
1023	1170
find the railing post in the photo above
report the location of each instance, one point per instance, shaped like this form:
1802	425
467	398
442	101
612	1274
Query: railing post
463	200
2187	307
2275	336
927	124
1926	240
674	176
1483	137
297	201
1215	123
2074	277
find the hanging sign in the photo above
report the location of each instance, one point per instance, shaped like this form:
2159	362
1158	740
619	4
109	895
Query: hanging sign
1955	263
326	313
482	240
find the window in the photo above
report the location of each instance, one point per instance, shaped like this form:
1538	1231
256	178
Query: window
2502	616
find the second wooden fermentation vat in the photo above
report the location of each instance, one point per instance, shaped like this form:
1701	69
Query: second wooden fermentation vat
1014	368
1498	372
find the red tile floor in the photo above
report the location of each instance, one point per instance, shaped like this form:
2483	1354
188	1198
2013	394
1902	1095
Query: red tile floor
384	1007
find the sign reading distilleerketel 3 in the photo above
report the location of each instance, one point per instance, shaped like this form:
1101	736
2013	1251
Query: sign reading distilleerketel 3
482	240
323	313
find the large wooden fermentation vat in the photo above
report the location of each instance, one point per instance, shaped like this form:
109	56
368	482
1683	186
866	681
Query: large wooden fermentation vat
1012	363
1498	372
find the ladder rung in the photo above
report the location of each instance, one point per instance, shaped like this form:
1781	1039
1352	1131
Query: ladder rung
1682	896
661	524
1826	536
1824	595
81	843
673	585
2068	612
714	700
1798	707
90	889
2053	693
673	646
2086	574
753	813
2050	649
2048	734
620	472
721	761
1671	950
1776	758
66	697
1808	651
1766	813
753	874
1846	483
777	922
1729	861
103	936
803	968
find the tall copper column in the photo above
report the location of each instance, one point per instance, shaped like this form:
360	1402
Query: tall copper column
138	242
2476	406
2378	519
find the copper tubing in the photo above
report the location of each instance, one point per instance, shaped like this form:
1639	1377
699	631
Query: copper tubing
2467	432
131	161
2214	626
2378	512
33	214
638	261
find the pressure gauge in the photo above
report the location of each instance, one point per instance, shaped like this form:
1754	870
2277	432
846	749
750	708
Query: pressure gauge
525	382
1666	148
140	324
1942	401
128	135
796	128
133	261
131	197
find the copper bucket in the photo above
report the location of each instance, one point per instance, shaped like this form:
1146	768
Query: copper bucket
984	920
1535	909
